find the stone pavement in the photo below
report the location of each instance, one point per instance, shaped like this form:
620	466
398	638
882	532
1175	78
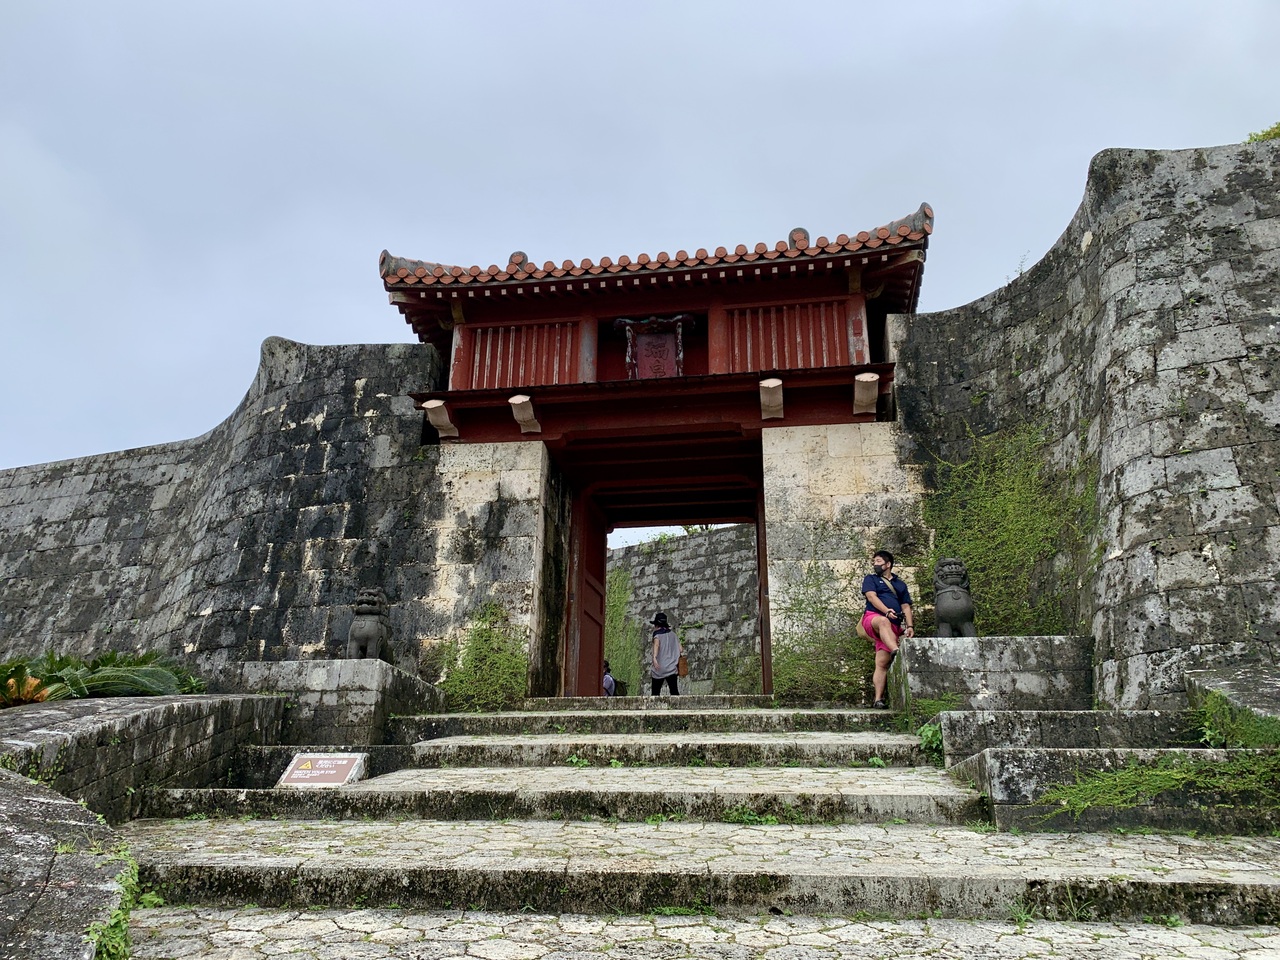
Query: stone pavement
792	794
557	866
171	933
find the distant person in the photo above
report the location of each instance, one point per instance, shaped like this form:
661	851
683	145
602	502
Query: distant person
667	651
887	618
610	688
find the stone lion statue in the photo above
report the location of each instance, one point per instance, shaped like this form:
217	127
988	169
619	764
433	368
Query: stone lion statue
371	628
952	605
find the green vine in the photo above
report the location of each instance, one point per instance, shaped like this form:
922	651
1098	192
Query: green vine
490	669
1014	521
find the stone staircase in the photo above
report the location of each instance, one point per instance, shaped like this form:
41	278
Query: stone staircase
718	804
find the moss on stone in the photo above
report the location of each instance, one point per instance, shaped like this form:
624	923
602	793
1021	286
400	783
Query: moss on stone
1022	528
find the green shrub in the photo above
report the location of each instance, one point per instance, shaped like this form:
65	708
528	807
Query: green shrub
1271	133
817	653
491	669
112	674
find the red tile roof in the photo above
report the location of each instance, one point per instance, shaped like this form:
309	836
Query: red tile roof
909	231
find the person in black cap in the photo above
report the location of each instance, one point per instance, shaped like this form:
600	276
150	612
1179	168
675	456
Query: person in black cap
667	651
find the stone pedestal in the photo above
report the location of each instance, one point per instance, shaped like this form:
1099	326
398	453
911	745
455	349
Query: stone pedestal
338	702
997	673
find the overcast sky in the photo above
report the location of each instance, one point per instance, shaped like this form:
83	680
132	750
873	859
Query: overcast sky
180	181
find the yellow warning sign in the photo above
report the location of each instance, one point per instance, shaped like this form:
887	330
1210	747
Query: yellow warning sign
306	765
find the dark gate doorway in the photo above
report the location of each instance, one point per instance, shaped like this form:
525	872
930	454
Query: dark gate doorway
691	476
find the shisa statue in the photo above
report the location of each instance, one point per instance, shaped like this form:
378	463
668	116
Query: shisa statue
952	605
371	628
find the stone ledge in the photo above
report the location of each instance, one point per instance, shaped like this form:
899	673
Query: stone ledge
1000	673
1014	778
336	701
58	872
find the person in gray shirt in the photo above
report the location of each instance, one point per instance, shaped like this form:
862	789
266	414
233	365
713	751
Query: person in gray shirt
667	651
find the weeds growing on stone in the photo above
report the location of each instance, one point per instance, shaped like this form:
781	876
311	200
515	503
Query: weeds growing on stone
1219	724
489	671
1247	780
1022	913
110	938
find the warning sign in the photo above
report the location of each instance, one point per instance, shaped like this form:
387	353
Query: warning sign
325	770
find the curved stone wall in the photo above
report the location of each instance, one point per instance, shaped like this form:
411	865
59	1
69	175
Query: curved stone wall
1147	338
246	543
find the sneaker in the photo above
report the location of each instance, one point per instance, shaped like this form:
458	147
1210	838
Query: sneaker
880	705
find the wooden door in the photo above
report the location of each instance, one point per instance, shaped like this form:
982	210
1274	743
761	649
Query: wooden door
585	662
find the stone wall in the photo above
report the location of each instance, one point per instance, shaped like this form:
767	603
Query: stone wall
833	494
249	543
105	751
707	584
1148	341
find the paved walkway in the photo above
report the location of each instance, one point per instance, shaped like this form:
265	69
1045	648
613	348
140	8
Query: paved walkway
250	934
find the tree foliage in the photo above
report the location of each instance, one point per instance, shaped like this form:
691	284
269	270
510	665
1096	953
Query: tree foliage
1271	133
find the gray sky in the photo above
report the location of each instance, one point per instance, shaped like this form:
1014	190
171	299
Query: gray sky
180	181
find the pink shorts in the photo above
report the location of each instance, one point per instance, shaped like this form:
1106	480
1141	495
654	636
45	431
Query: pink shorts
870	631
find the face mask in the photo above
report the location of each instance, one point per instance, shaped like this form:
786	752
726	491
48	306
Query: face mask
877	568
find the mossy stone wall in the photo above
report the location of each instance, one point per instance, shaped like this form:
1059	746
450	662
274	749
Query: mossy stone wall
1148	342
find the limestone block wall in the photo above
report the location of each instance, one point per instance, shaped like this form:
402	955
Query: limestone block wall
500	527
105	751
1148	342
246	543
834	494
708	585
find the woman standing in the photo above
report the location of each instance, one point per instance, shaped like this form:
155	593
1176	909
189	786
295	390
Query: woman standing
667	651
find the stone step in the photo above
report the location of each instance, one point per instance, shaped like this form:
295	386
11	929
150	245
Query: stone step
673	750
965	733
249	933
666	720
1015	779
739	701
556	867
785	794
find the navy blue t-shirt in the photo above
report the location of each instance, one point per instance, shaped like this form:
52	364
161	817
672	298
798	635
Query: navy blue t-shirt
892	593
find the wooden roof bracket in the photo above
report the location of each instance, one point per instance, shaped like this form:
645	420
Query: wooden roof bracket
438	415
771	399
866	390
522	410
